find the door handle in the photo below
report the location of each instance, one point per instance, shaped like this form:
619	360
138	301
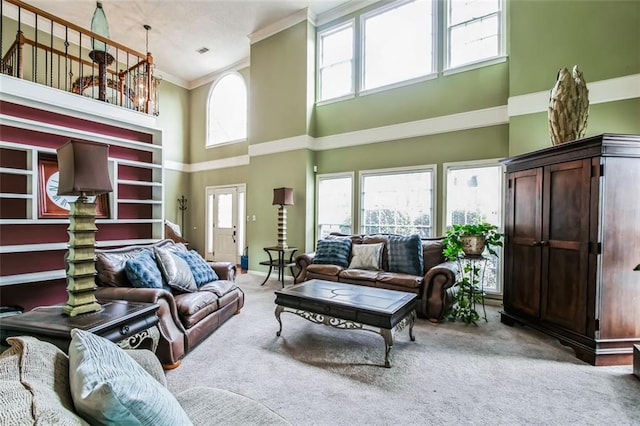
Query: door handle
234	236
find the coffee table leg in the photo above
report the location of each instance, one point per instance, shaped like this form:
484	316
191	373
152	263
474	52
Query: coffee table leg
279	310
387	335
412	320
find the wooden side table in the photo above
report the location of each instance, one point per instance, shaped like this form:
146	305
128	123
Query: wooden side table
129	324
280	263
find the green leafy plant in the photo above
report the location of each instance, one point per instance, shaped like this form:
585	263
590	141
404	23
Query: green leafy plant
469	290
453	239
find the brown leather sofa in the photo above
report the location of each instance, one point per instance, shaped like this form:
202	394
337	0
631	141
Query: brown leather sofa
186	319
434	288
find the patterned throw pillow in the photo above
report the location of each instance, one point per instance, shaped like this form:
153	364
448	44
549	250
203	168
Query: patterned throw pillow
405	254
333	252
109	387
143	271
175	270
202	272
366	256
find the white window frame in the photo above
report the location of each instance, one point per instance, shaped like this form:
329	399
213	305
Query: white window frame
354	66
475	164
432	168
209	143
329	176
359	36
446	27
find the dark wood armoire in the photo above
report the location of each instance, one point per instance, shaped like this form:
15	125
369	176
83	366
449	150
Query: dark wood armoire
572	241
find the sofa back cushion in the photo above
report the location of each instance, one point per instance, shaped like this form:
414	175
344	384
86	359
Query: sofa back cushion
432	252
405	254
110	263
333	252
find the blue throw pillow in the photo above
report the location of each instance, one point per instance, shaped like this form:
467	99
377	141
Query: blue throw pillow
202	272
143	271
333	252
405	254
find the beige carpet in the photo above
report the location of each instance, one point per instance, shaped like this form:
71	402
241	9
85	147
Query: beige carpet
451	374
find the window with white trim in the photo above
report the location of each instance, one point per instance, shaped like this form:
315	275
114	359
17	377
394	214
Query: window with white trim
335	61
334	201
227	111
398	201
473	194
406	41
397	43
474	31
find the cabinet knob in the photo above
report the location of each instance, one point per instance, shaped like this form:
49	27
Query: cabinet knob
124	330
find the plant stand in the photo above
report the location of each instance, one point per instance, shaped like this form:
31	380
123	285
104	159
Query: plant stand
471	289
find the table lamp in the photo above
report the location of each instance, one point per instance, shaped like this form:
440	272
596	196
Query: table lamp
84	171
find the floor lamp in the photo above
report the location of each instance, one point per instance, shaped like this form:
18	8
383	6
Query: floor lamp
282	197
84	171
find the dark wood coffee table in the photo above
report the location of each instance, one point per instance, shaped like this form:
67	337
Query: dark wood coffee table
350	307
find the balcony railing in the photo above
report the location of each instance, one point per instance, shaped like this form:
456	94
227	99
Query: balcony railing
51	51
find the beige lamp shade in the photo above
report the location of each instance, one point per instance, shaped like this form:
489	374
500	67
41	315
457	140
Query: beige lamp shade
283	196
84	168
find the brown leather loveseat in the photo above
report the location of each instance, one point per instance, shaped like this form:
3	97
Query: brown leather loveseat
186	318
434	287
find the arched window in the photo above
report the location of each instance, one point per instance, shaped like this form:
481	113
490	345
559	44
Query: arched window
227	110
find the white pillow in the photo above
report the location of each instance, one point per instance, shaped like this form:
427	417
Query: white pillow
109	387
366	256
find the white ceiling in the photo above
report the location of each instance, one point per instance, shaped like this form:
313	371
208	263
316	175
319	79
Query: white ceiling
179	28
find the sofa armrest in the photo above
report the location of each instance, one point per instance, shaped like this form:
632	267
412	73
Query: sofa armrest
302	261
149	362
172	345
438	287
224	270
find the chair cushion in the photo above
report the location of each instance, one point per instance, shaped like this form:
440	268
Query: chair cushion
202	272
366	256
34	384
109	387
405	254
333	252
175	270
143	271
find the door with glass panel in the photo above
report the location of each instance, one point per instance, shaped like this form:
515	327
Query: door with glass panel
225	227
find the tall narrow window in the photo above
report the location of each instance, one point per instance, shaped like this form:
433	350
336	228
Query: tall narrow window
398	201
474	195
227	111
474	31
335	195
335	62
397	43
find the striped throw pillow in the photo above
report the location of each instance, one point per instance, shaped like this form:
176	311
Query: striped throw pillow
405	254
333	252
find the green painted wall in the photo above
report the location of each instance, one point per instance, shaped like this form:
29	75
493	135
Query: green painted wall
602	37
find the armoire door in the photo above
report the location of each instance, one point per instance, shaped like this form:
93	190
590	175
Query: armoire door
565	244
523	227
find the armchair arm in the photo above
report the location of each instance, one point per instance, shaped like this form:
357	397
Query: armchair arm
439	290
224	270
302	261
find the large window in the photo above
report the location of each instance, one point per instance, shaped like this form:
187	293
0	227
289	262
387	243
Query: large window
473	31
335	195
397	201
474	193
397	43
406	41
227	111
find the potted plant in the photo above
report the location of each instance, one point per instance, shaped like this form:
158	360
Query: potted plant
465	244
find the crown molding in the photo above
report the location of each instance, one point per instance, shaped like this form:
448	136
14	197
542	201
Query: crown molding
281	25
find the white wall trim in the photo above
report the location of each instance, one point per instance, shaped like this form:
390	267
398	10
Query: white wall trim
241	160
430	126
281	25
611	90
175	166
282	145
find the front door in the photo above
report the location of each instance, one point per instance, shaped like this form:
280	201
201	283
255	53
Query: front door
225	229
